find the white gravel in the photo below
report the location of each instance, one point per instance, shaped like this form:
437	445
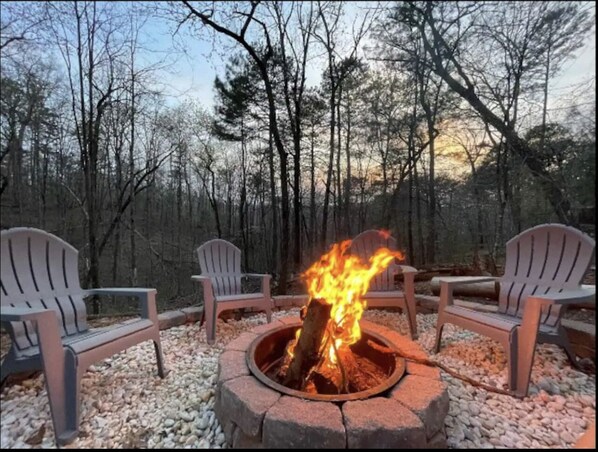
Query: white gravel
125	405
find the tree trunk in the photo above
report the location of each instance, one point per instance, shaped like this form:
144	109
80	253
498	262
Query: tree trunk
312	194
410	250
243	199
297	197
133	276
553	192
545	100
332	104
274	204
431	240
421	258
348	179
339	230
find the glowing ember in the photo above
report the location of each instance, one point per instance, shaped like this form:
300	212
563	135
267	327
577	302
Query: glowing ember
342	280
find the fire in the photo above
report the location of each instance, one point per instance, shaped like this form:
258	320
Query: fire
342	280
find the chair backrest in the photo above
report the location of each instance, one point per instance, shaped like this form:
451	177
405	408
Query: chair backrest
544	259
39	270
365	245
221	261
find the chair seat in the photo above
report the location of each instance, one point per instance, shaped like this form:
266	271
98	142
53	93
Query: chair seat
96	337
496	320
240	297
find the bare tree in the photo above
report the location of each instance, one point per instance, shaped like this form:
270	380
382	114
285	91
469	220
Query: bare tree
441	43
262	58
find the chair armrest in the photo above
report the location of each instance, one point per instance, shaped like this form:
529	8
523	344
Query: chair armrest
566	297
452	281
208	290
408	273
147	298
257	275
138	292
45	323
265	281
406	268
10	314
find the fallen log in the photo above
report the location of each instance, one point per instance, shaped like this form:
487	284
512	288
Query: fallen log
489	289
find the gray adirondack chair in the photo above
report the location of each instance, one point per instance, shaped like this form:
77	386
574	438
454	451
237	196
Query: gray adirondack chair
383	291
543	273
43	310
220	263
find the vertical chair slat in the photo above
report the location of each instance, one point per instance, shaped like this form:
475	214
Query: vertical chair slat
553	257
19	259
575	261
9	281
584	259
511	268
24	254
11	288
75	300
235	268
228	271
558	241
54	261
556	245
38	262
523	269
221	261
537	267
568	254
37	266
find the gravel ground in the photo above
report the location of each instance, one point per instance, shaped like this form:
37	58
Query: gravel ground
125	405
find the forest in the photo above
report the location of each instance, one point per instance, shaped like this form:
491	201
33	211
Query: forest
449	124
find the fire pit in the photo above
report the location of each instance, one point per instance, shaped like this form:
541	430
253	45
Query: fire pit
326	379
268	348
409	414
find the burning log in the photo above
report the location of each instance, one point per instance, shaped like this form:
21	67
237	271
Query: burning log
321	359
302	369
307	352
354	373
362	373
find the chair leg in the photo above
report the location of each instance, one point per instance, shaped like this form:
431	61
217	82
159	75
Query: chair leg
511	350
7	367
72	384
162	372
210	314
268	310
203	317
411	317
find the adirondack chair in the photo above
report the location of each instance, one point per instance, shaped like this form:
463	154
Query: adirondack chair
543	273
382	291
42	308
220	263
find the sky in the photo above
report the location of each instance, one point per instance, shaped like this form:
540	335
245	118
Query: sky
198	62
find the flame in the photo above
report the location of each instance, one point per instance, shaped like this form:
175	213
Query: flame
342	280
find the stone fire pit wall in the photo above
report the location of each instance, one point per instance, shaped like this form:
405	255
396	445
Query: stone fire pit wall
409	415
